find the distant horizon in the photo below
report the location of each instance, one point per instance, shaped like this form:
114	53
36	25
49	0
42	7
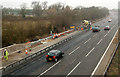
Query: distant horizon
48	6
110	4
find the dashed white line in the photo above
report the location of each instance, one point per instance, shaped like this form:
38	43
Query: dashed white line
99	41
94	35
109	31
73	69
87	40
105	35
90	51
73	61
74	50
49	68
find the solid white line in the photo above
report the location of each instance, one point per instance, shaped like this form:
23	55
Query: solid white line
99	41
90	52
103	55
105	35
87	40
49	68
73	69
74	50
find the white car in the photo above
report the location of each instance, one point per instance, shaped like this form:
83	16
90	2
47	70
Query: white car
109	20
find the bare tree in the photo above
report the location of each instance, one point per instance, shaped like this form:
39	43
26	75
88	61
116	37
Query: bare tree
23	9
55	9
44	5
37	8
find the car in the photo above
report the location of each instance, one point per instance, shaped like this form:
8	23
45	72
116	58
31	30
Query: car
54	55
96	29
106	28
109	20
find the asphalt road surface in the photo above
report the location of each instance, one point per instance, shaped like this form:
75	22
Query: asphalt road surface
82	53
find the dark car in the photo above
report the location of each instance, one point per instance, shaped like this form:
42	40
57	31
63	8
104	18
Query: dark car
54	55
106	28
96	29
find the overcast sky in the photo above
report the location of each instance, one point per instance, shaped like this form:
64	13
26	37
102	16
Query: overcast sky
111	4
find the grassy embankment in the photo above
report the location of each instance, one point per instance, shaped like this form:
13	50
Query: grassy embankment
19	30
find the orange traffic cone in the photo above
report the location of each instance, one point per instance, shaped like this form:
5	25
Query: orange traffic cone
54	36
81	28
26	52
90	28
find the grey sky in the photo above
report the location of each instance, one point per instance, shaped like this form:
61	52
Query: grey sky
111	4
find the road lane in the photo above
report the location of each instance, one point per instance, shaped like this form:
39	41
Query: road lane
50	68
73	69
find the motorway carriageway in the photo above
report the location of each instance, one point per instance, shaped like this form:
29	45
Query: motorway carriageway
82	53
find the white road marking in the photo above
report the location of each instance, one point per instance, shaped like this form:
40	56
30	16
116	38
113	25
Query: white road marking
105	35
73	69
109	31
49	68
73	61
113	27
99	41
103	56
94	35
74	50
90	51
87	40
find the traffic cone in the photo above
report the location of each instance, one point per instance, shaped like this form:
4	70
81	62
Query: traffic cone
54	36
90	28
81	28
26	52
